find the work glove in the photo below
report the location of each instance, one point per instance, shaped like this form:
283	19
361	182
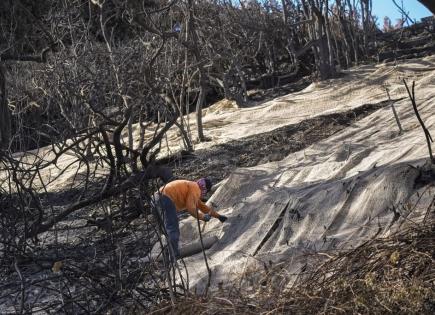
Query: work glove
207	217
222	218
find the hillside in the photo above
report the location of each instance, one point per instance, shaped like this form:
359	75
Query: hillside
359	183
338	187
312	123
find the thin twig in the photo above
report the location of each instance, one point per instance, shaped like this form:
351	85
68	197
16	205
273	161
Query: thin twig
426	132
394	111
22	286
203	252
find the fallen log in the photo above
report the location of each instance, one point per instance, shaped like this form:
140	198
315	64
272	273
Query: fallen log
187	250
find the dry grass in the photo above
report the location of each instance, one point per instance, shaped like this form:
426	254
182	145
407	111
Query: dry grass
387	275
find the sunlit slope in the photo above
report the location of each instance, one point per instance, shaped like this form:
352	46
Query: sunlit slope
361	85
334	195
224	121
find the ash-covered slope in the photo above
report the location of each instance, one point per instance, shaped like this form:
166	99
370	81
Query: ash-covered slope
360	183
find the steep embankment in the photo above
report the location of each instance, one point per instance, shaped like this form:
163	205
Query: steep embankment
359	183
334	194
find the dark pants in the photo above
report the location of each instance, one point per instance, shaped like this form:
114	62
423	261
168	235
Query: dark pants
169	213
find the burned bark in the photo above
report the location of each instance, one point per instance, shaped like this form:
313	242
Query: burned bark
428	4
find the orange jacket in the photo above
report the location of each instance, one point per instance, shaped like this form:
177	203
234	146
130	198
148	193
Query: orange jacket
186	195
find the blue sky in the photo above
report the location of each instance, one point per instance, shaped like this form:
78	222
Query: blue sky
383	8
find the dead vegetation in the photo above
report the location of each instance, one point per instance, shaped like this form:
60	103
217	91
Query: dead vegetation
75	75
98	248
392	275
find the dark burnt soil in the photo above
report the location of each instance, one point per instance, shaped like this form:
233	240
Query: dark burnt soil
263	95
415	41
219	161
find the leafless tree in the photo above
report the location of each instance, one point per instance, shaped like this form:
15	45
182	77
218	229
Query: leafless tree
88	91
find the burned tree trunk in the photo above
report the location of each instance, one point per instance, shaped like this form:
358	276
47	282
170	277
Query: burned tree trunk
430	4
5	115
199	106
234	83
202	76
327	27
353	34
319	34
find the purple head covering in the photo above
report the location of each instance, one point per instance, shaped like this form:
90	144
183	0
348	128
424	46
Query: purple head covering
205	185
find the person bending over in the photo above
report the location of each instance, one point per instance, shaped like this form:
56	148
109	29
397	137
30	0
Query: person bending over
180	195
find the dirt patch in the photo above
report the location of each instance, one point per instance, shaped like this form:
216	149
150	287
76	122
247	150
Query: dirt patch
258	96
220	160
